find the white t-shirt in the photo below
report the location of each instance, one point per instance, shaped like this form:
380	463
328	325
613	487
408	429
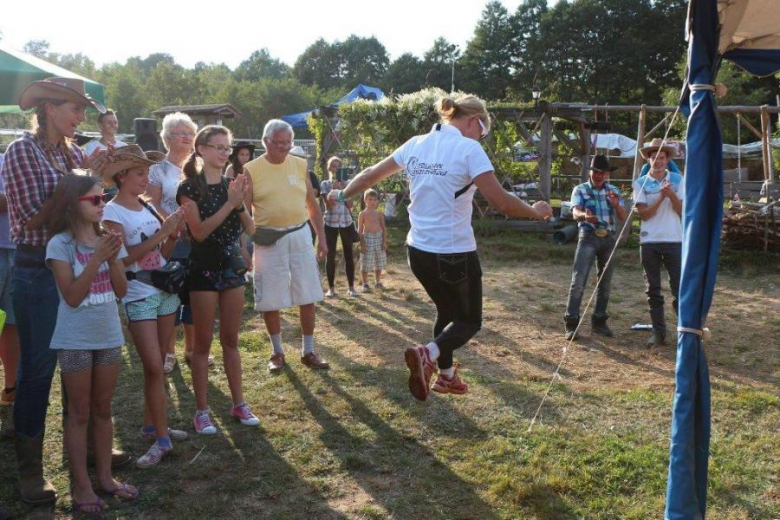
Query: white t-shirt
665	225
167	176
138	226
95	144
441	167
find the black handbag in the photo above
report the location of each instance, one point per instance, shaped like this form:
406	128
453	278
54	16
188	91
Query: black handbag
354	235
169	278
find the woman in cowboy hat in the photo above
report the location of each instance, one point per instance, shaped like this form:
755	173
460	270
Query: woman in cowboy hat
242	153
33	166
149	240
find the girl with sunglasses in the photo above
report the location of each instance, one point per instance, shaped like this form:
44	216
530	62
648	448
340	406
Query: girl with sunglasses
87	264
150	311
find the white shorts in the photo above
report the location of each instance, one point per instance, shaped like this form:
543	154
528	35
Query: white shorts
286	273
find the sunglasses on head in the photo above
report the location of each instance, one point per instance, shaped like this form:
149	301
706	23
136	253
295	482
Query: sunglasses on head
96	199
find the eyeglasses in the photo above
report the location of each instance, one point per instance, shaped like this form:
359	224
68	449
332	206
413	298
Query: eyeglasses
183	135
96	199
485	130
220	148
281	144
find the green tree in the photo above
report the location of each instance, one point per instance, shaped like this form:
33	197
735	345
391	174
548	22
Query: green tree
437	63
528	58
318	65
260	64
38	48
361	60
404	75
488	58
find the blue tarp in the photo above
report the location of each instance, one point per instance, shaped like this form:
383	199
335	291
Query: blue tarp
686	492
360	92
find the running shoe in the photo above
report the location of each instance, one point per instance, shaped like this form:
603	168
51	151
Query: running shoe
203	424
421	369
244	414
153	456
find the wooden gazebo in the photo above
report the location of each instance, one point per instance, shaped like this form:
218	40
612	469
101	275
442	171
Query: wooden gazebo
202	114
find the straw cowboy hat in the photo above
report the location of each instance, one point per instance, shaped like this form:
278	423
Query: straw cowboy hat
655	145
126	157
65	89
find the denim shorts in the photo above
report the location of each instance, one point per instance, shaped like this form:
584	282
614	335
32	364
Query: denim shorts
6	274
160	304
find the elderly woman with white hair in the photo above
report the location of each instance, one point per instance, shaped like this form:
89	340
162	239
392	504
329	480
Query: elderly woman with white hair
178	136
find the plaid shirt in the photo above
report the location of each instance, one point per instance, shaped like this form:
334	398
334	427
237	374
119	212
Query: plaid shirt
586	198
30	180
339	215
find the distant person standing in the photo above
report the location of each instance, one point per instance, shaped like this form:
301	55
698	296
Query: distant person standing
108	124
596	205
241	154
373	241
285	266
178	137
658	196
338	223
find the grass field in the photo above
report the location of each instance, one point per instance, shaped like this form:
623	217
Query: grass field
352	442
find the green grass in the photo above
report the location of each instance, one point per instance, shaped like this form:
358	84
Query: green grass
352	443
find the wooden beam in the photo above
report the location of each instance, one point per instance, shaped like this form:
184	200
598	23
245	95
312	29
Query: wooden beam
545	156
656	127
766	127
749	126
640	139
584	152
566	140
525	134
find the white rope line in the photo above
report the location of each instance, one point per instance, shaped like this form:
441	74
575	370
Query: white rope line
556	374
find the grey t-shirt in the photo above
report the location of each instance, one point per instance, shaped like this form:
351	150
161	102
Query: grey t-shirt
94	324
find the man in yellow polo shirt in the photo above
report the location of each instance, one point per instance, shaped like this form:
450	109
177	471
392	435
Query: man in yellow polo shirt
285	267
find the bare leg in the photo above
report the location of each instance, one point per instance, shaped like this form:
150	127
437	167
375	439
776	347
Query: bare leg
273	322
103	385
307	319
146	339
78	385
231	303
378	276
204	308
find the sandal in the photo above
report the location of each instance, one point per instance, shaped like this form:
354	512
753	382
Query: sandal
169	364
123	492
88	508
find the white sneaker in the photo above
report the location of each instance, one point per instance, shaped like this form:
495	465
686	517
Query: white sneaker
353	292
330	294
152	457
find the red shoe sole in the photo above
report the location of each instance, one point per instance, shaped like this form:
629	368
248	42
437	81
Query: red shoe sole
446	390
417	384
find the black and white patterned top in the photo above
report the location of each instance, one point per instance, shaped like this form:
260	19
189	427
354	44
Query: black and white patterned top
228	232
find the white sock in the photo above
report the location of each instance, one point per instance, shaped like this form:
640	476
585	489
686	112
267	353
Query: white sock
447	372
308	345
276	342
433	350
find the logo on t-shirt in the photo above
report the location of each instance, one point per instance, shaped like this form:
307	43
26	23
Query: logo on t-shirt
100	290
152	259
415	167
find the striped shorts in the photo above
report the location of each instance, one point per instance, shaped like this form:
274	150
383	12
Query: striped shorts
375	258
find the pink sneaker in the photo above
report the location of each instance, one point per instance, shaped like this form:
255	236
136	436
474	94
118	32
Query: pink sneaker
445	385
203	424
421	369
244	414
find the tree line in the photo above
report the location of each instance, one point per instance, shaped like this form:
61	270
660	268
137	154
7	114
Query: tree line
591	51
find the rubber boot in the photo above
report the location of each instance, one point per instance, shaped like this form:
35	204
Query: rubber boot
33	487
599	326
570	325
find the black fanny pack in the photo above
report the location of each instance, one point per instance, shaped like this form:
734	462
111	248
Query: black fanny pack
267	237
169	278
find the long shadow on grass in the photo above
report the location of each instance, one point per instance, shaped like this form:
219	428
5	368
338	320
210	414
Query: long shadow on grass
396	470
521	400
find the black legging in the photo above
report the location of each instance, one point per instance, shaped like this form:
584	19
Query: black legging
331	236
454	283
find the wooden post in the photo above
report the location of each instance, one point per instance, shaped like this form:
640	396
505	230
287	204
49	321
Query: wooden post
584	152
766	150
545	156
640	140
766	130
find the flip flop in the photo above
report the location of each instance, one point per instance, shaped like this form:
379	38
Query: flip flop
84	507
122	492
